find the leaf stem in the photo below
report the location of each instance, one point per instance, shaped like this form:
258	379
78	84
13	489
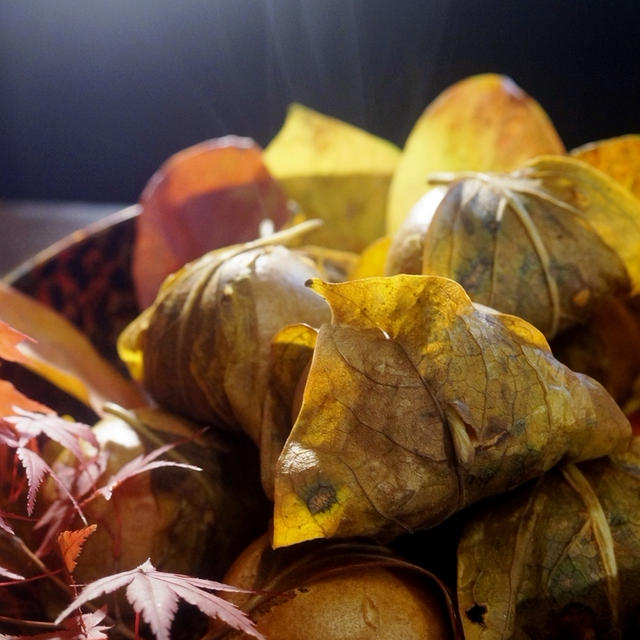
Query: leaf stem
23	548
34	624
602	534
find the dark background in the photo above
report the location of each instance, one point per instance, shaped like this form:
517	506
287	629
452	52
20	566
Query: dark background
94	95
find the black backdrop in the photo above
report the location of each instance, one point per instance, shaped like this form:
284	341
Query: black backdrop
95	94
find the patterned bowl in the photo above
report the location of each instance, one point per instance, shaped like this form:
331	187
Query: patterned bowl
87	278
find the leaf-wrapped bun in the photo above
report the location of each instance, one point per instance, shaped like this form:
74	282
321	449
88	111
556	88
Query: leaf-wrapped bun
546	242
561	552
202	348
419	403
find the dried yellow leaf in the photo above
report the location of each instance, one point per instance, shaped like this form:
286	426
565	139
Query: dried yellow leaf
418	403
336	172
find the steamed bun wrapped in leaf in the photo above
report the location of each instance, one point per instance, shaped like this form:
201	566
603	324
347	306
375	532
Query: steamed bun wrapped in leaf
418	403
546	242
202	348
484	122
560	554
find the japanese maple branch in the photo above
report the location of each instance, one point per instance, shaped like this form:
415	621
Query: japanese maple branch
16	541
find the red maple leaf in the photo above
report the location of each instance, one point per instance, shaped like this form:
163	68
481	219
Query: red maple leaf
36	469
5	525
84	626
31	424
79	480
140	464
155	595
21	430
71	542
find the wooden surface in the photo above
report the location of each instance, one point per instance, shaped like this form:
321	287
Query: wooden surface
31	226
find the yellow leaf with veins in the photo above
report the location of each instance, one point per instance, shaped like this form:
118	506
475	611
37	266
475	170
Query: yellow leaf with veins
418	403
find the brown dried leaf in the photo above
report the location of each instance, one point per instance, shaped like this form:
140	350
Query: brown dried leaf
564	551
419	403
545	242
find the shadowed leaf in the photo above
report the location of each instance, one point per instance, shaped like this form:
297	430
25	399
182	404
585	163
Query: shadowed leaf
570	542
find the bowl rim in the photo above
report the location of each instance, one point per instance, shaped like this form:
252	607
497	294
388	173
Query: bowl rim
42	256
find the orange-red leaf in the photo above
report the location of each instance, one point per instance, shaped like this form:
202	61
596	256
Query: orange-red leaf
60	353
70	543
10	398
212	194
